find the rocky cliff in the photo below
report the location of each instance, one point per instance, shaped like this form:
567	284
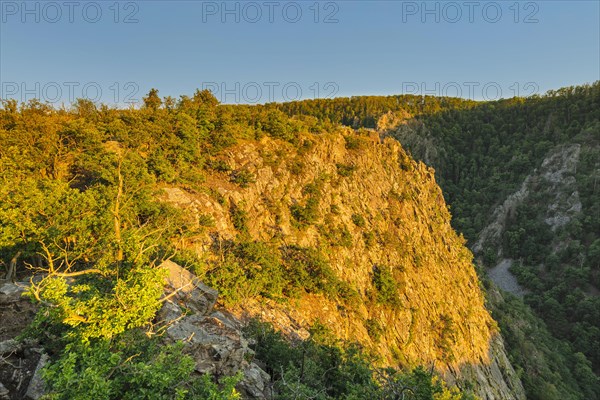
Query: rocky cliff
371	211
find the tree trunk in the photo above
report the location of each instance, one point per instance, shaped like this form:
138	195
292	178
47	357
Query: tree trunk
12	268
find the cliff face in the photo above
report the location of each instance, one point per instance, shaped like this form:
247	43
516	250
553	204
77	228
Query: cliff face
555	181
373	212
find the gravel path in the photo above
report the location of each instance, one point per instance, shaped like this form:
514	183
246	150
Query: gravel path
505	280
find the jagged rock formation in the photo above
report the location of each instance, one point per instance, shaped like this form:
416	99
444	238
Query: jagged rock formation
374	208
497	378
555	176
21	360
212	337
557	170
554	180
414	135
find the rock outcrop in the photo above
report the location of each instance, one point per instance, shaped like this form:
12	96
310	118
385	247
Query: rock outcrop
212	337
375	207
20	366
555	181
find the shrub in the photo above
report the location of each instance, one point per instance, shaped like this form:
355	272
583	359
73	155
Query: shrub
130	367
243	178
345	237
369	238
239	219
324	368
386	285
297	167
309	213
374	329
345	170
358	220
206	220
219	165
251	269
353	142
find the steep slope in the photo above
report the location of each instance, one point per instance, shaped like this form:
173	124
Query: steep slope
295	221
521	176
500	165
379	220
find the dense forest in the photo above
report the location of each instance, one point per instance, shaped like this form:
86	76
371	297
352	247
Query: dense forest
80	206
485	154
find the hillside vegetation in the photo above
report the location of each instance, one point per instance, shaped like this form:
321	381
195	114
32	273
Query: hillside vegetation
309	217
537	160
548	149
292	219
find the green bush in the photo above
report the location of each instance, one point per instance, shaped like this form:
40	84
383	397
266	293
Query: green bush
324	368
374	329
130	367
345	170
252	269
353	142
297	167
369	238
206	220
345	237
386	286
307	214
243	178
358	220
239	219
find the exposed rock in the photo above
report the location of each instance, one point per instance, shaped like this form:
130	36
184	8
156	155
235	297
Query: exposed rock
189	290
4	393
561	163
213	338
504	279
36	388
557	171
11	292
554	178
413	134
9	346
169	312
404	213
491	235
256	382
11	289
555	182
18	359
494	380
391	120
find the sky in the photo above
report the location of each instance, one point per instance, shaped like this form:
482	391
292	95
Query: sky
263	51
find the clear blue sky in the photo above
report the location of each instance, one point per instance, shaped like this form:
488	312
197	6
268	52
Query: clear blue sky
374	48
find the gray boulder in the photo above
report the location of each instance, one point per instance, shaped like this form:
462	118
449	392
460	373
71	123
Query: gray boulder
36	388
4	393
188	289
213	338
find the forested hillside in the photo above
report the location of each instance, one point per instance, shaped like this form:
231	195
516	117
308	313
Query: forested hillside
310	217
491	151
305	224
524	172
